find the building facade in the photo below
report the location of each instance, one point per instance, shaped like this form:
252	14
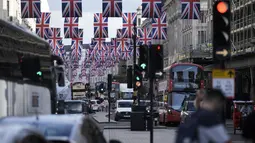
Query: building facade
187	38
10	10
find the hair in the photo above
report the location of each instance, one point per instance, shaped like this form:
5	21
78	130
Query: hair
214	95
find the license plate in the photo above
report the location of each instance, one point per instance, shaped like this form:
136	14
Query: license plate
156	119
126	115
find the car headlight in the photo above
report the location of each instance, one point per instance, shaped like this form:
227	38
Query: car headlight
169	110
148	111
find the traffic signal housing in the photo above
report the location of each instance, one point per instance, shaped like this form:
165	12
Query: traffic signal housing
221	30
31	68
129	77
138	77
156	58
101	88
143	59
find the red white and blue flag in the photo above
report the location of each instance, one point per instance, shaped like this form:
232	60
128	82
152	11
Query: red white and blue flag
144	35
42	25
123	43
128	20
159	28
77	46
112	8
30	9
151	8
115	53
55	42
99	44
71	27
100	26
71	8
190	9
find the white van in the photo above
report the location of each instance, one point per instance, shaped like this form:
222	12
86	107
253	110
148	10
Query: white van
123	109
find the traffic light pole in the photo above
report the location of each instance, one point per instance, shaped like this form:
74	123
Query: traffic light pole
134	60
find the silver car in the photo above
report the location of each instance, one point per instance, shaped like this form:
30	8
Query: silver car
56	128
17	133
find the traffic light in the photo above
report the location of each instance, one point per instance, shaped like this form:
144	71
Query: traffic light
101	88
156	59
138	77
129	77
221	30
109	82
143	59
31	68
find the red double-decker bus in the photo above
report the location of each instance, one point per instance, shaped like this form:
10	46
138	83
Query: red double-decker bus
183	81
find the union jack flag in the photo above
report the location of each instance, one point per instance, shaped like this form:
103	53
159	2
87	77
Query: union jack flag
151	8
83	71
71	8
55	42
123	43
145	36
112	8
30	9
159	28
190	9
128	20
77	46
42	25
99	44
71	27
126	54
100	26
115	53
132	46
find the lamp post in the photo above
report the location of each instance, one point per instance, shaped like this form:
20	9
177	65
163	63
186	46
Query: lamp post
134	55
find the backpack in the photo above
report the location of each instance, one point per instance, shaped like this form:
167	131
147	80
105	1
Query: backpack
188	132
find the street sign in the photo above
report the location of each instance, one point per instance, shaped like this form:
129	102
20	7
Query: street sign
224	80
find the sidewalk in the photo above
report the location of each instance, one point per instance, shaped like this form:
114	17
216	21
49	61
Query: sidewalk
101	118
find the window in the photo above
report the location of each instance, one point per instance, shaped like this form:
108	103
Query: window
35	99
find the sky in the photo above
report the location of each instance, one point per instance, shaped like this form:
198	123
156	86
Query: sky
86	22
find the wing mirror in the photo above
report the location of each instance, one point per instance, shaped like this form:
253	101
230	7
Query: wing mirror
115	141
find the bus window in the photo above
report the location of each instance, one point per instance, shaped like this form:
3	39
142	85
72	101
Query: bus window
180	77
191	76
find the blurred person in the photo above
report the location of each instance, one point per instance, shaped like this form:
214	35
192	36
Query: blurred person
106	103
205	126
245	109
199	97
249	125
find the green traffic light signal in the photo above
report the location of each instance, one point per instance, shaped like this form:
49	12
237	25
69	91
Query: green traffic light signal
137	78
39	73
143	66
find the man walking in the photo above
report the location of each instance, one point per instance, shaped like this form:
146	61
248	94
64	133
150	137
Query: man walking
205	125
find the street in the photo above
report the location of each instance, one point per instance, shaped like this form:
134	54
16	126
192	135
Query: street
121	131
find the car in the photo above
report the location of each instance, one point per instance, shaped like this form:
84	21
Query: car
75	107
95	105
17	133
77	128
123	109
187	109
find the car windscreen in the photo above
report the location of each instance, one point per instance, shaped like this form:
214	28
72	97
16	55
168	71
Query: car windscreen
55	129
92	102
125	104
73	107
98	102
47	129
190	106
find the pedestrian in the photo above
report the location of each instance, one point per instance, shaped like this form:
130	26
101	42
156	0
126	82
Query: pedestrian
199	97
106	105
249	125
205	126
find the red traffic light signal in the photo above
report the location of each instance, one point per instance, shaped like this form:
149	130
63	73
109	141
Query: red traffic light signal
158	48
222	7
